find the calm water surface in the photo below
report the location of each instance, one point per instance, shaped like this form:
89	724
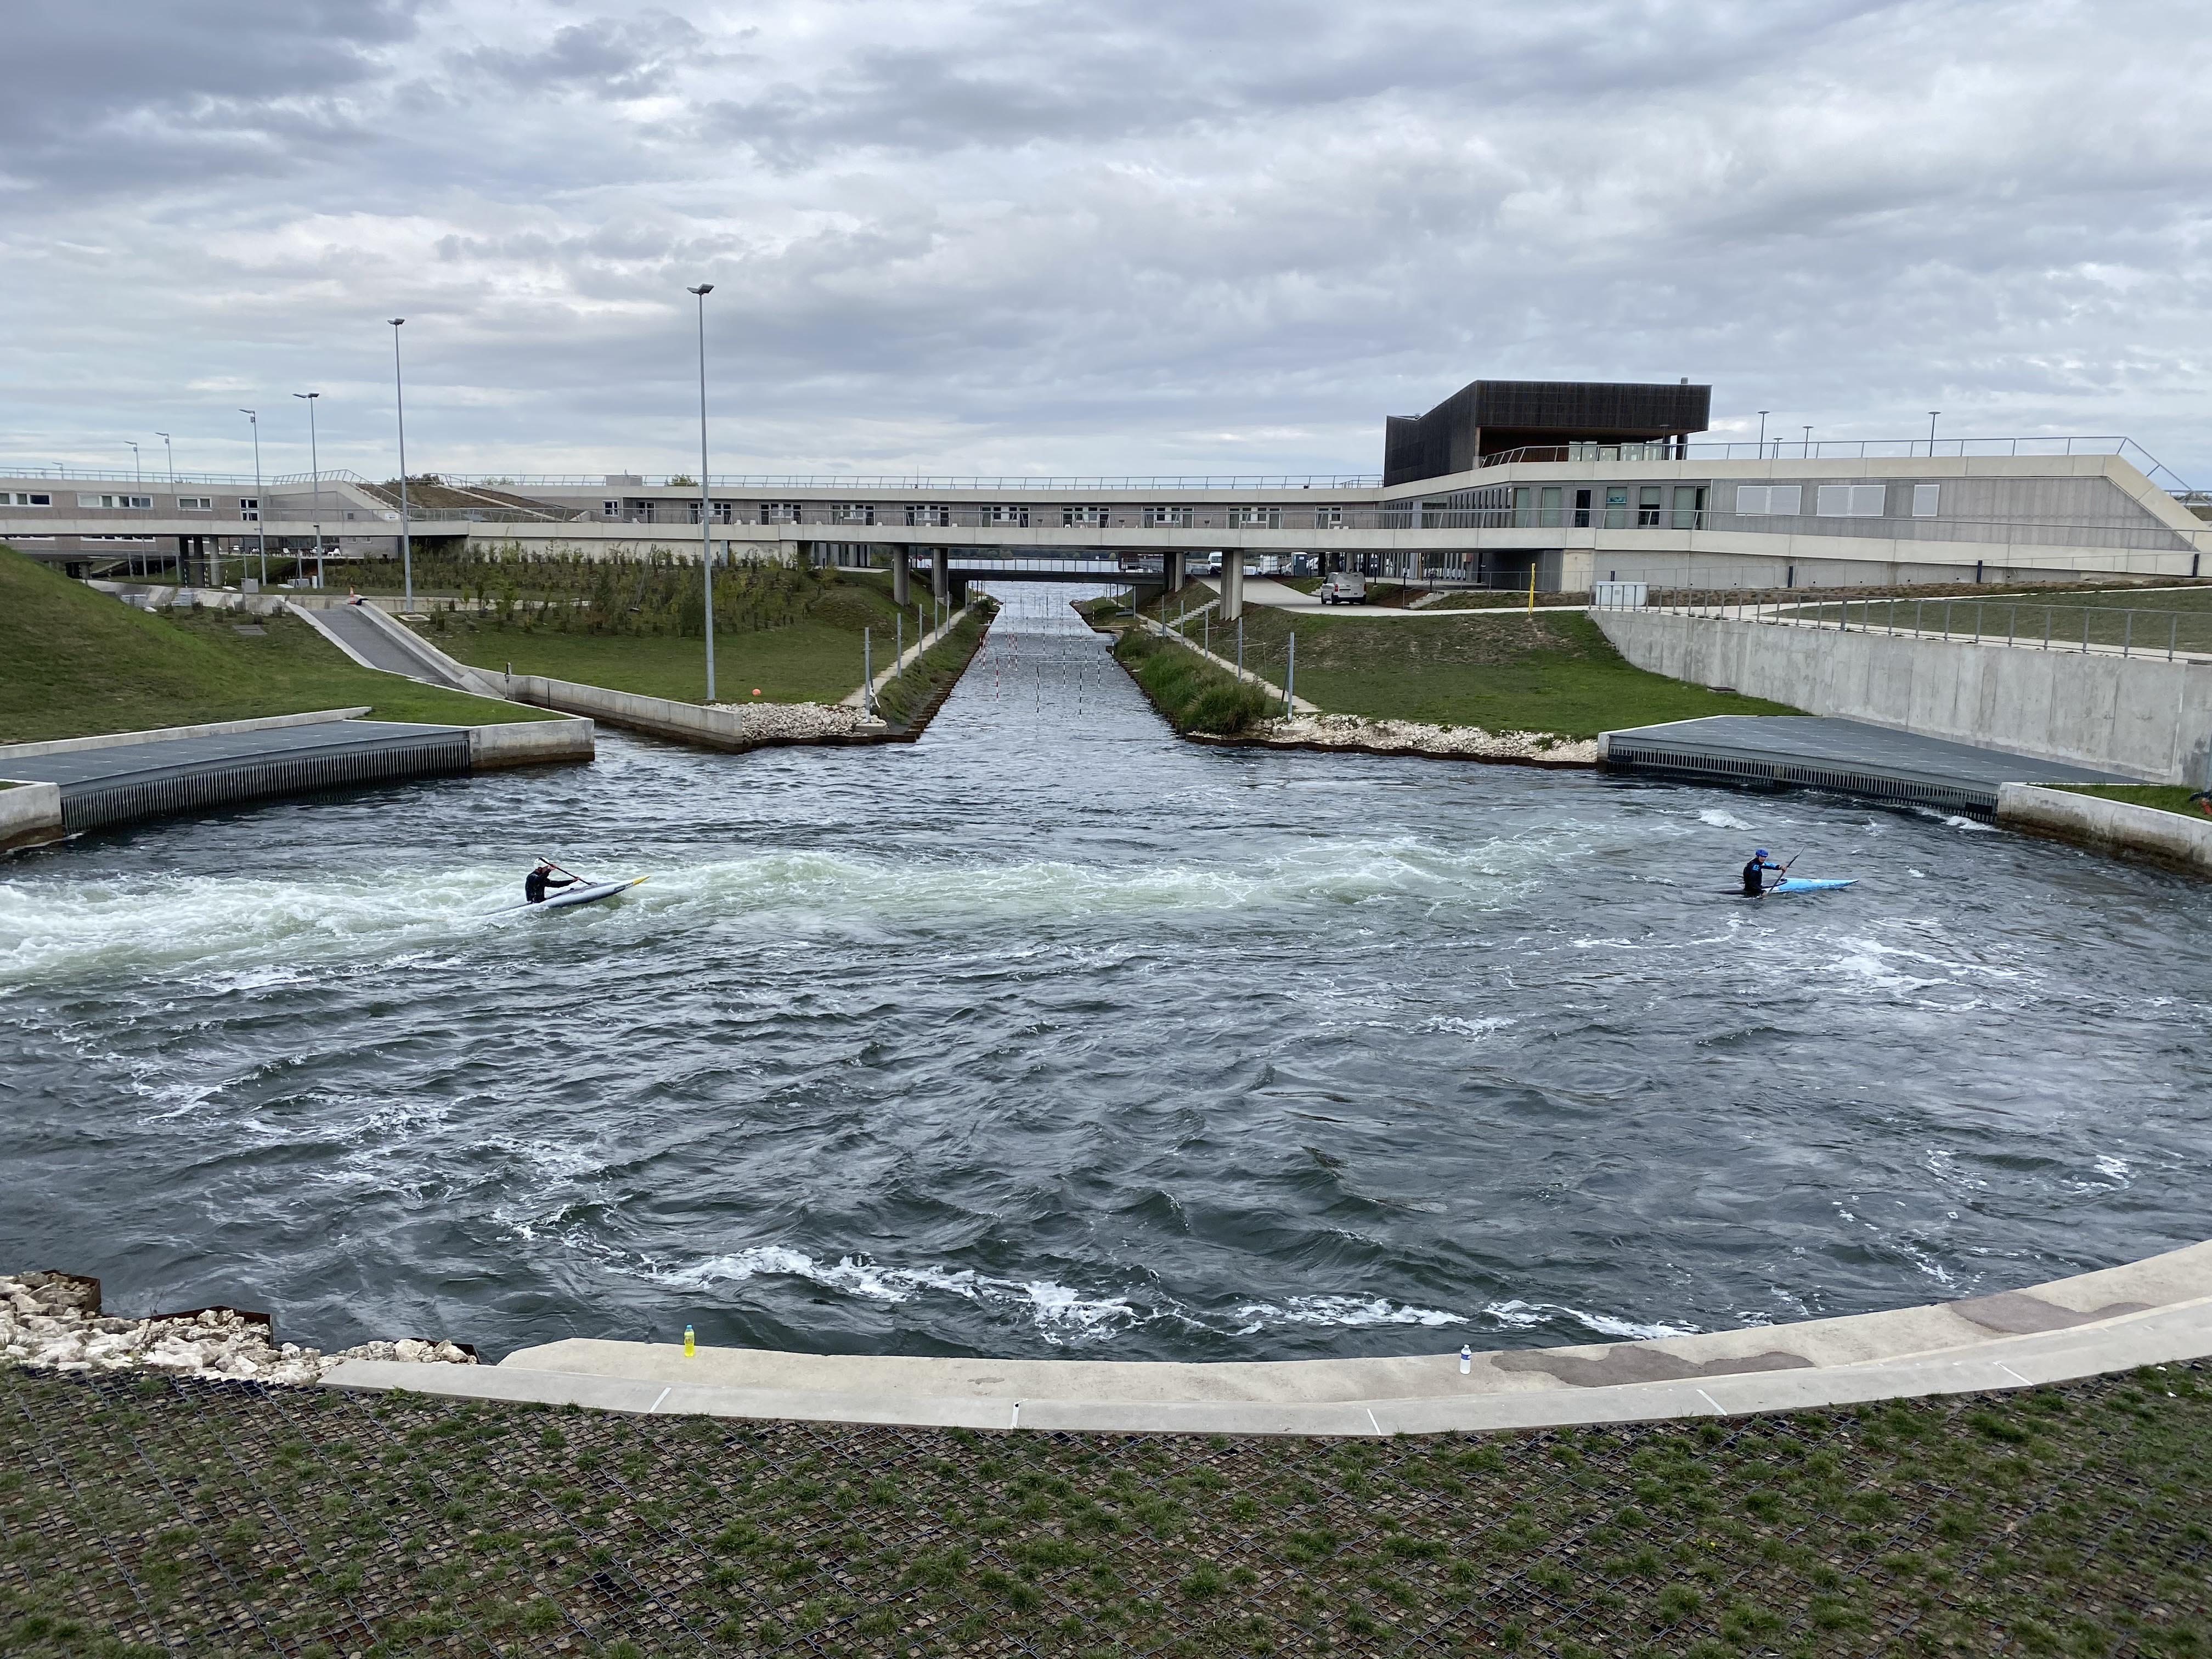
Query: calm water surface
1050	1035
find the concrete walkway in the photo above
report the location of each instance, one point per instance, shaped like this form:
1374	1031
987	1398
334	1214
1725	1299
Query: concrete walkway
2151	1312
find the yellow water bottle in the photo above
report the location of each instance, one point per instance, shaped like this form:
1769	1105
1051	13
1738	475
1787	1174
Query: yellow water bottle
690	1345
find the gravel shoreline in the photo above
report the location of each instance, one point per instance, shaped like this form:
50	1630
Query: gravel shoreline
1356	731
53	1321
789	721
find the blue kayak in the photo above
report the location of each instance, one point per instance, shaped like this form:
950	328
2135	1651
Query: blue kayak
1802	884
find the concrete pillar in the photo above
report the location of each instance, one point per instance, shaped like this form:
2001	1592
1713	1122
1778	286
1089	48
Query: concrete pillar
1173	571
940	573
1232	583
901	576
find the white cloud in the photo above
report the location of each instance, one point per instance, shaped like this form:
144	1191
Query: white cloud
1090	237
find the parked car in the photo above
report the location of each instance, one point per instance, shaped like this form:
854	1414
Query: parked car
1344	588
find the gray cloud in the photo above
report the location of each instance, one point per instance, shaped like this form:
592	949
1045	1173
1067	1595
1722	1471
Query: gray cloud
1085	236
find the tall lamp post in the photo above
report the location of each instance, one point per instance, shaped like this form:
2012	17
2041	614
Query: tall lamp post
260	502
1762	433
1932	414
315	466
399	406
138	472
164	437
706	504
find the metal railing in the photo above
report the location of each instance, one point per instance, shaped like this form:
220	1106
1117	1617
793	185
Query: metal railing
2124	631
614	484
1856	449
153	476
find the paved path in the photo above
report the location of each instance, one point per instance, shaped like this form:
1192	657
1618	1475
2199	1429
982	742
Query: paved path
2150	1312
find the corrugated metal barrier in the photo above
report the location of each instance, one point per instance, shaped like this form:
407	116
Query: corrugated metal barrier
195	786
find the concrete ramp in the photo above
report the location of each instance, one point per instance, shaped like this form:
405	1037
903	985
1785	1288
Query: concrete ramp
375	640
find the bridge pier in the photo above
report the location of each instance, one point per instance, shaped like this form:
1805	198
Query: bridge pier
1232	583
901	575
940	572
1174	569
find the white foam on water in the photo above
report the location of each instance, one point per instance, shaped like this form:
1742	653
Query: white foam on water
1720	819
2113	1169
1342	1312
1526	1315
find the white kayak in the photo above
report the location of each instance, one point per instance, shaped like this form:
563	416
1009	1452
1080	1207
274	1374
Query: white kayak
566	895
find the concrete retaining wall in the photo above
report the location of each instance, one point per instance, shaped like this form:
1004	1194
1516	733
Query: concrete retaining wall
530	742
727	729
30	812
2108	825
2139	716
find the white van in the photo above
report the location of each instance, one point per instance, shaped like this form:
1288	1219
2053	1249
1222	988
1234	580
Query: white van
1344	588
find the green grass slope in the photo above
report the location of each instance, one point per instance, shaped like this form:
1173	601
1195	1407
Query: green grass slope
1504	673
810	654
75	662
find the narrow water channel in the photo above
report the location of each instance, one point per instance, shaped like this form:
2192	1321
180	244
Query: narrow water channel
1051	1034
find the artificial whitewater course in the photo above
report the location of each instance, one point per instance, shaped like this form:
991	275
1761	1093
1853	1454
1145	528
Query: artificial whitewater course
1050	1035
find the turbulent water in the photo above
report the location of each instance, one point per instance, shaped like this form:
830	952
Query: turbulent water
1049	1034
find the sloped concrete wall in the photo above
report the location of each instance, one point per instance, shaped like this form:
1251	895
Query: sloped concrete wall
29	813
2143	716
2108	825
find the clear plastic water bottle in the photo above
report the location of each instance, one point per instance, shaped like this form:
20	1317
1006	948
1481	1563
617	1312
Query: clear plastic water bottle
1466	1360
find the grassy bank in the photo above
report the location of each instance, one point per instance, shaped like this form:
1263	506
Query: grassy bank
2165	797
1191	693
1503	672
798	639
143	1513
908	698
75	662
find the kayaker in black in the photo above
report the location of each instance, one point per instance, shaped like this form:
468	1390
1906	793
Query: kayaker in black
535	884
1754	877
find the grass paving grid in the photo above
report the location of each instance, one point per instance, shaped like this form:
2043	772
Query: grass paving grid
2067	1520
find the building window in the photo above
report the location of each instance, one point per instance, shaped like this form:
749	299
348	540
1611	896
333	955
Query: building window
1923	500
249	508
1647	506
25	498
115	501
1328	517
1167	518
725	511
1550	511
929	517
779	512
611	509
1007	513
1689	507
1616	506
647	512
853	513
691	511
1256	518
1086	516
1772	501
194	503
1581	509
1847	501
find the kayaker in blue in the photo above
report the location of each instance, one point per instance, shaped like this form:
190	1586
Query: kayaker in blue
1755	879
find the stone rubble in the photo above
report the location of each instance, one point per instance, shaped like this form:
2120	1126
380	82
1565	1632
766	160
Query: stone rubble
1357	731
790	720
53	1320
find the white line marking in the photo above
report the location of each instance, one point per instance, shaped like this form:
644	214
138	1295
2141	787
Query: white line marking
2011	1373
655	1406
1370	1418
1718	1410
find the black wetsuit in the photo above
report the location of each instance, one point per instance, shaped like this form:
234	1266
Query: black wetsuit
1754	880
535	884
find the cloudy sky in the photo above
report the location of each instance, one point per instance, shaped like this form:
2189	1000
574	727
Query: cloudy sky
1085	236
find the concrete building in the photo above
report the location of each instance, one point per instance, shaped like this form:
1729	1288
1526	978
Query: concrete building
1561	486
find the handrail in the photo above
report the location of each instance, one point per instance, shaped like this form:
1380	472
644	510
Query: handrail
1861	449
615	483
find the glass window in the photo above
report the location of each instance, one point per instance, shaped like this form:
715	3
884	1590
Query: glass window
1524	506
1581	509
1616	506
1548	513
1647	506
1689	507
1847	501
1923	500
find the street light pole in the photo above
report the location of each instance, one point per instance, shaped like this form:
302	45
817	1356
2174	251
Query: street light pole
1808	443
138	472
1762	433
1932	414
164	437
315	466
706	503
173	508
260	502
399	406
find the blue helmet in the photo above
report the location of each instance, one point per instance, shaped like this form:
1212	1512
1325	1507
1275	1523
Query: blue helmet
1760	853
